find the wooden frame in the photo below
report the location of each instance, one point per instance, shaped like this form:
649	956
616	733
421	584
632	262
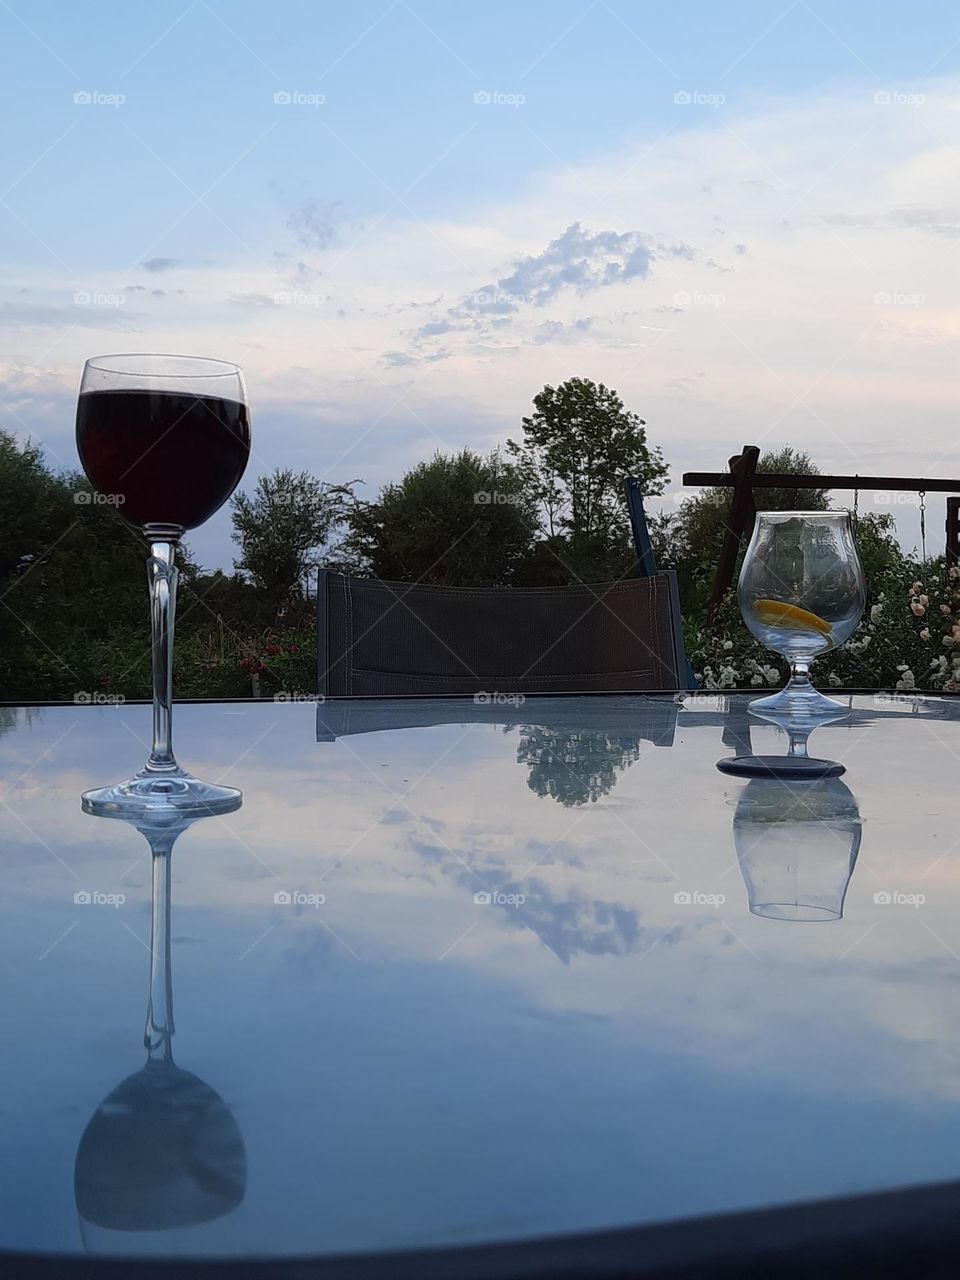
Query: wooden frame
743	478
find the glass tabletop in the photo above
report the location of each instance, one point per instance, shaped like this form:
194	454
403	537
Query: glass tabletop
461	973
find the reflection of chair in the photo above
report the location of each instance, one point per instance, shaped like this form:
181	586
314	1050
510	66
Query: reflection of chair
797	845
650	719
377	638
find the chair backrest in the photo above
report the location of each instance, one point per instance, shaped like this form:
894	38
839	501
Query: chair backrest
377	638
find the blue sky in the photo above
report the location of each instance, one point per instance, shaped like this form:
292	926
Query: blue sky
762	198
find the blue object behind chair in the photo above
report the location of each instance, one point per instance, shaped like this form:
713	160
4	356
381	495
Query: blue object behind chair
638	523
646	560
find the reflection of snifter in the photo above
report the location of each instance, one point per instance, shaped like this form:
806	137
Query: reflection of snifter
162	1150
797	845
798	726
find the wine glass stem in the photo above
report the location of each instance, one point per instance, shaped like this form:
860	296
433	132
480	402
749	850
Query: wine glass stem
799	674
158	1032
162	577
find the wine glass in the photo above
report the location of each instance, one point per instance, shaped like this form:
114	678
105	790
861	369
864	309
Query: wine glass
797	846
165	439
801	593
163	1153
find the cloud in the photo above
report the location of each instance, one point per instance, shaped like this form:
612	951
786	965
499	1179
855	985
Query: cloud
578	261
82	315
314	223
156	265
557	331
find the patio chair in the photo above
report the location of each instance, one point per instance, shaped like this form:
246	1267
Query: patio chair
378	638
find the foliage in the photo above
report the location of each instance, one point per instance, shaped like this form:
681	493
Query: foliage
461	520
282	661
73	599
283	531
574	767
908	637
578	446
689	540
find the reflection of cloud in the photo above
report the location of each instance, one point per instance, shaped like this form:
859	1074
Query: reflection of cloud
572	925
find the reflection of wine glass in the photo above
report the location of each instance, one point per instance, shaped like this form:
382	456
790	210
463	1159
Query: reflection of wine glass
801	593
797	845
166	440
796	763
162	1151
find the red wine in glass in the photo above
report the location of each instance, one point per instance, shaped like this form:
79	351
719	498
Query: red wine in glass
165	457
166	439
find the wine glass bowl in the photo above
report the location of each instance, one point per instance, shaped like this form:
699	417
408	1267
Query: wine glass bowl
165	439
801	593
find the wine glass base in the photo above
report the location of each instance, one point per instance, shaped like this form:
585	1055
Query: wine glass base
155	795
797	767
799	703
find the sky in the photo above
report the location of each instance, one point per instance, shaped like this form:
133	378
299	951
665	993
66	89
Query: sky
402	219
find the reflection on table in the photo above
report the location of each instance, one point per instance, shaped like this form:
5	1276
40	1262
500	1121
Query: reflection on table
163	1150
797	844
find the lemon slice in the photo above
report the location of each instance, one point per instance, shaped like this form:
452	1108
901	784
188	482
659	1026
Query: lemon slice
775	613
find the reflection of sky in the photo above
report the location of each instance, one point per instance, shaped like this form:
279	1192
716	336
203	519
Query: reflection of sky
408	1065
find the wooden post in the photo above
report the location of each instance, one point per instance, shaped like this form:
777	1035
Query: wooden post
743	512
953	531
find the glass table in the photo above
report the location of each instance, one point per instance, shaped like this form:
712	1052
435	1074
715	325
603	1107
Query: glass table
463	974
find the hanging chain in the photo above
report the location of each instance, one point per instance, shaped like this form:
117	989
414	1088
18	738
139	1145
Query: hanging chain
923	526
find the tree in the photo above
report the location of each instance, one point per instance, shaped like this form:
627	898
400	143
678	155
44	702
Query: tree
34	506
574	767
283	531
458	520
73	585
689	540
578	446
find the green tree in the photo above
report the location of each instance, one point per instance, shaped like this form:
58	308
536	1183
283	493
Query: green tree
73	616
577	447
574	768
458	520
284	530
689	540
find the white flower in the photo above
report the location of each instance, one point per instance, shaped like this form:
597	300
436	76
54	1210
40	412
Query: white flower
756	679
728	677
771	675
728	644
925	633
954	571
875	612
907	680
833	679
